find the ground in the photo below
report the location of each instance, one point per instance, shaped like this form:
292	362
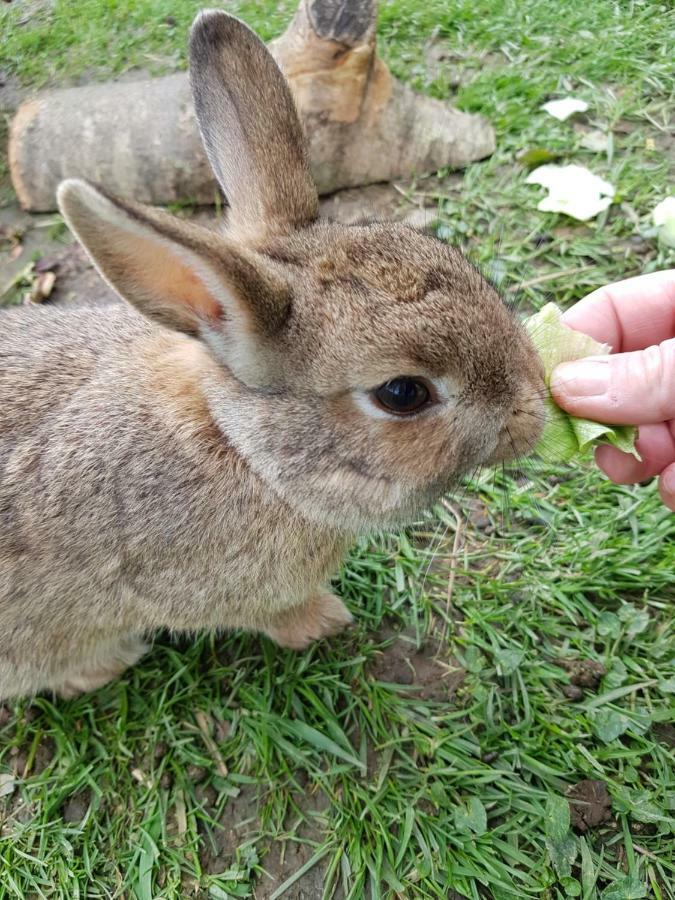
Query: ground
499	722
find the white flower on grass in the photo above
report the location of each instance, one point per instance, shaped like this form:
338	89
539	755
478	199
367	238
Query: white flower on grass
663	216
573	190
564	108
664	211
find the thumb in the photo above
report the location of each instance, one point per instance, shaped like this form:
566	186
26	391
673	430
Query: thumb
624	389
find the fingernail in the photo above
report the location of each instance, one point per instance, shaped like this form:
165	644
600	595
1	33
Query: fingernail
668	482
586	378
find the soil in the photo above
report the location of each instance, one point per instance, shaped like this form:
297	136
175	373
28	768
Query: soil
13	810
425	672
590	804
240	822
573	692
584	673
665	733
285	857
446	64
75	809
21	766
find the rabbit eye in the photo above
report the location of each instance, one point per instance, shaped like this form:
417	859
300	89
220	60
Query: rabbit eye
403	395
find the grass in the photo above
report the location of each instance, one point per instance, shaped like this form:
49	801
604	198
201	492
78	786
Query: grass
341	777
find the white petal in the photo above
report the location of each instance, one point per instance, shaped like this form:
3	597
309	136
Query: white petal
563	109
664	211
573	190
579	207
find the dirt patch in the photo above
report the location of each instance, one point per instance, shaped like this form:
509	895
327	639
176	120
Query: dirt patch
77	282
40	240
584	673
590	804
573	692
239	821
75	809
285	857
280	859
664	732
426	672
39	245
22	764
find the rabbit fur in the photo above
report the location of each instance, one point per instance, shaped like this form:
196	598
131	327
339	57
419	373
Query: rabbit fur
202	456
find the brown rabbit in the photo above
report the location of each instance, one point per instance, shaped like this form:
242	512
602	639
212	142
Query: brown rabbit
203	455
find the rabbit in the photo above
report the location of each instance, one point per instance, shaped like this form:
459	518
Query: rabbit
202	455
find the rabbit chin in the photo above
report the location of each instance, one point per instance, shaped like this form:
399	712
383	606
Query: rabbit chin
338	495
355	503
301	455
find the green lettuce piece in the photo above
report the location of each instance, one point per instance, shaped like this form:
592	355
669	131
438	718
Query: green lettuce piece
567	436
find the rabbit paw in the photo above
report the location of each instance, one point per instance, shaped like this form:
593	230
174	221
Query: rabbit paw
321	616
101	669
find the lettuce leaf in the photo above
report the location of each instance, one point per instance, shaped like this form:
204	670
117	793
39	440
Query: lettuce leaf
565	436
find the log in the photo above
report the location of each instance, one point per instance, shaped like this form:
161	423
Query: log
140	139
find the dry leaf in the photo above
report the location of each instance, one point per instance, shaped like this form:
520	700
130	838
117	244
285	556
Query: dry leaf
42	288
11	236
7	784
596	141
205	726
140	776
181	815
664	211
46	283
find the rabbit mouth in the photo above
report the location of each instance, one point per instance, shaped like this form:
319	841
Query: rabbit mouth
519	436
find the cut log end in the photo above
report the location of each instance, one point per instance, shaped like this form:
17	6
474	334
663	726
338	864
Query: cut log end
18	147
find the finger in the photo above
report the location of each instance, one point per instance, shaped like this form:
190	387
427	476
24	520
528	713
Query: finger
656	446
667	487
628	315
624	389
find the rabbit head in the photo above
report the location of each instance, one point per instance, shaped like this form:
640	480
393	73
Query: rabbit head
364	369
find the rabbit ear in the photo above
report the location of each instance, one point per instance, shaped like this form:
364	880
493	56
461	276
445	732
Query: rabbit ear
250	128
182	276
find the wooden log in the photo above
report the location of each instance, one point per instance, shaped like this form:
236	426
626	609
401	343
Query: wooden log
140	139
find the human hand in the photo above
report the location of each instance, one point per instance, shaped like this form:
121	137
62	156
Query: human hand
636	384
